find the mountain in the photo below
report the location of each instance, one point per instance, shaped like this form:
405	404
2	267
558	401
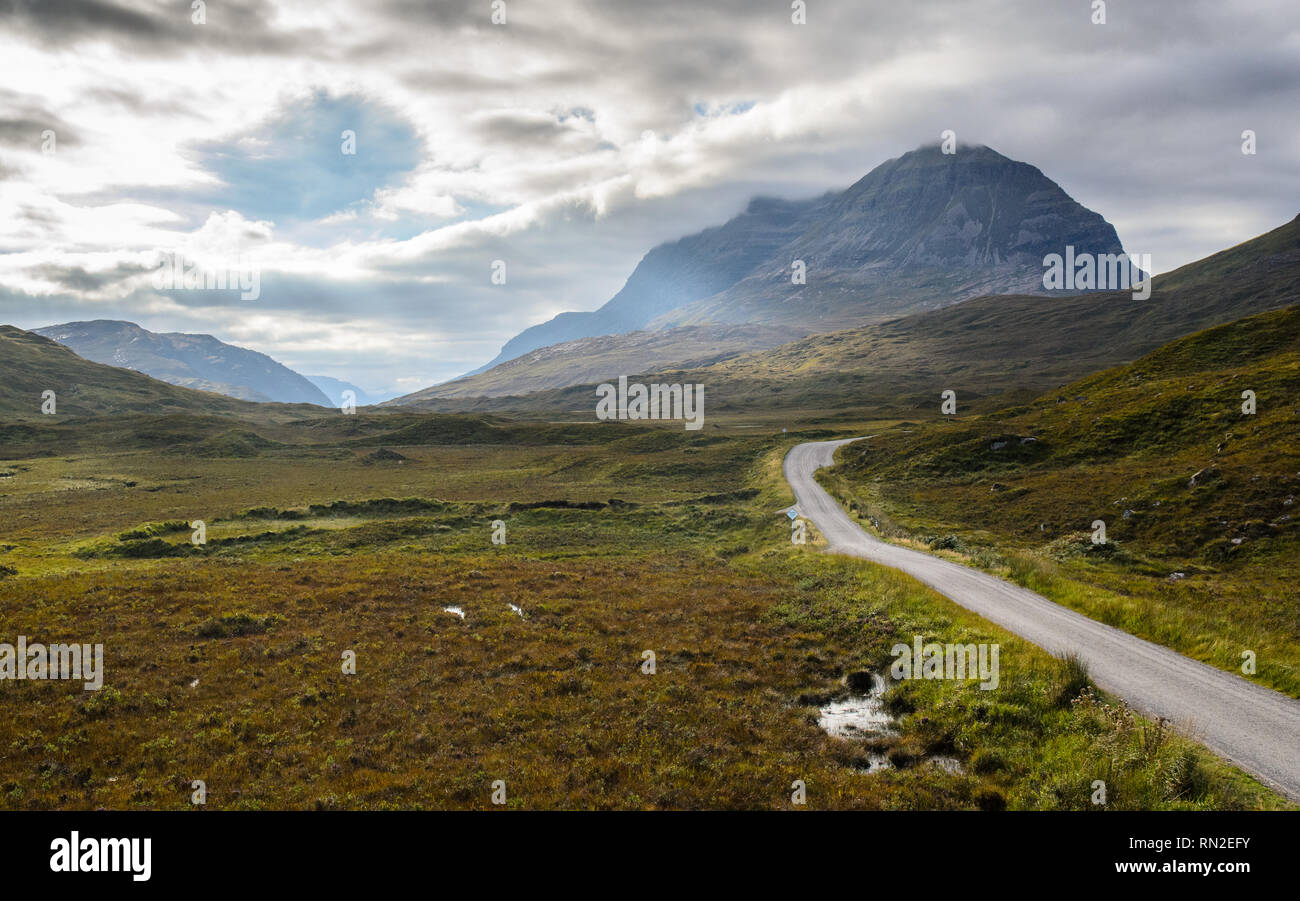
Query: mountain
921	231
33	364
981	347
192	361
676	273
333	389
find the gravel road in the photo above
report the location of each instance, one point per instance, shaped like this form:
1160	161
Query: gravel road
1253	727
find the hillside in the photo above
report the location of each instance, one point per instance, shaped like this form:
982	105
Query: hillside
33	364
191	361
1176	411
979	348
1198	497
594	359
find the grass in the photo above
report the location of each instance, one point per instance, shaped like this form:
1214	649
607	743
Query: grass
225	662
1202	551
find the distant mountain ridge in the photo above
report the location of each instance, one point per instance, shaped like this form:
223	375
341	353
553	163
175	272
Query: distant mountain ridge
918	232
201	362
333	389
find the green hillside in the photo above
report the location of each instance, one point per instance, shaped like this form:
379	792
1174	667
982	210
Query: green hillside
33	364
1198	497
105	407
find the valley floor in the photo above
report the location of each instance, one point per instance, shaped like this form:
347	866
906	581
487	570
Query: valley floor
524	662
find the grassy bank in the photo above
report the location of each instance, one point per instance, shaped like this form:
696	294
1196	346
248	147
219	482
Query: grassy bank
1202	549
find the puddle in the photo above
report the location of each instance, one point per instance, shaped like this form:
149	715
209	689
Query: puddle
454	611
865	717
858	716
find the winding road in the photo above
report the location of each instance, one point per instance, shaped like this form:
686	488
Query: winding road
1253	727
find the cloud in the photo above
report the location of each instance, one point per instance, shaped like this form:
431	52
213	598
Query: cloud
24	122
314	159
570	141
154	26
84	281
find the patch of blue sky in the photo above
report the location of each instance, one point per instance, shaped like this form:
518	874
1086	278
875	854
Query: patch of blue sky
294	168
716	110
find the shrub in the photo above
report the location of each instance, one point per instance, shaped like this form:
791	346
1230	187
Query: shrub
1074	679
154	529
233	624
987	761
948	543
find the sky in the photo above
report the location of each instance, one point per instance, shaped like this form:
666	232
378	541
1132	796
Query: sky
567	140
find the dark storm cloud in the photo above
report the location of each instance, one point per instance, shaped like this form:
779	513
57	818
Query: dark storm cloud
70	20
533	129
159	27
78	279
23	118
26	133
